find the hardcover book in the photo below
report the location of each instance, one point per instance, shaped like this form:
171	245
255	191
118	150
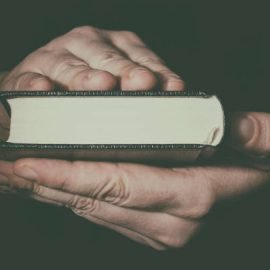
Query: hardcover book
126	126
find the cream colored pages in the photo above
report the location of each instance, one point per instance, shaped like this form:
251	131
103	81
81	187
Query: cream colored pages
116	120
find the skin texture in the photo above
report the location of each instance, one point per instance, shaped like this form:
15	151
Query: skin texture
158	207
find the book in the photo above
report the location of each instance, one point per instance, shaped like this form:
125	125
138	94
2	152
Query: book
125	126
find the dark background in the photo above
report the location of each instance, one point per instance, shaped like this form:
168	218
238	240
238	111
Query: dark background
217	46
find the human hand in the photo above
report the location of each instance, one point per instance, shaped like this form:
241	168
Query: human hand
88	58
159	207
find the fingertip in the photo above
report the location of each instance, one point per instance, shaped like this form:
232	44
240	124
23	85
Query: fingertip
139	79
249	132
99	80
30	81
174	85
41	84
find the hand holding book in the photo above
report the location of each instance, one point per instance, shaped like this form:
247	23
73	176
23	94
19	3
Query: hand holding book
160	207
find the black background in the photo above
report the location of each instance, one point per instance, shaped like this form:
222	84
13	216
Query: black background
217	46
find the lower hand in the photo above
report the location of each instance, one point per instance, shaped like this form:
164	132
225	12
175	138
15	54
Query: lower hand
159	207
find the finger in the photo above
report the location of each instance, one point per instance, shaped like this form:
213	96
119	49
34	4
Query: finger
99	54
185	192
250	133
59	199
9	179
69	71
62	199
121	184
160	227
232	181
28	81
137	51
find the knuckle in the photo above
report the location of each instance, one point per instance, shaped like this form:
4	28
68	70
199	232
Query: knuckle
149	60
115	190
36	189
129	35
203	204
67	62
200	194
175	235
75	37
173	241
109	57
85	30
82	204
62	178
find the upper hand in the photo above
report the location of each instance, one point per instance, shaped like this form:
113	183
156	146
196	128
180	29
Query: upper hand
89	58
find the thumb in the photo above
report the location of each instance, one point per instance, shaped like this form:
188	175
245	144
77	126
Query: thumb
250	132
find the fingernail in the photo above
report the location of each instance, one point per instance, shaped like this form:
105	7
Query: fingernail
26	172
242	129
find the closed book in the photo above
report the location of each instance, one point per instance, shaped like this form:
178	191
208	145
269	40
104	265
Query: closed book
124	126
